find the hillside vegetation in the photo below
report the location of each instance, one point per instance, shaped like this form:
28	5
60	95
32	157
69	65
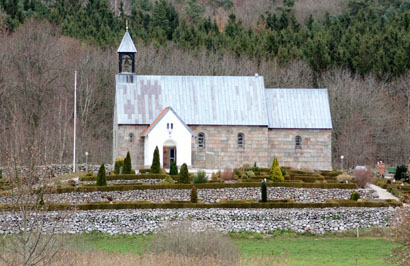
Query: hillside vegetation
358	49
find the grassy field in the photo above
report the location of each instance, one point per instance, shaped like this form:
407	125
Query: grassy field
298	249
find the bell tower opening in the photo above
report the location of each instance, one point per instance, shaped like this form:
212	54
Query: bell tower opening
126	54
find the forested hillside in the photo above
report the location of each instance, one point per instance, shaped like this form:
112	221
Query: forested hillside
358	49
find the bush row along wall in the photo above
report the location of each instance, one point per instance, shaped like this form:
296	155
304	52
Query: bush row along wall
206	185
233	204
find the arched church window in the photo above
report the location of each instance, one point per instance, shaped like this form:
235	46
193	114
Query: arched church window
298	142
241	140
201	140
131	137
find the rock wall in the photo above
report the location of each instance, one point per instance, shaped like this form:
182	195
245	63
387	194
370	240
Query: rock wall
225	220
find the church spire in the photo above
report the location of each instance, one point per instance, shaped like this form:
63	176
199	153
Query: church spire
126	53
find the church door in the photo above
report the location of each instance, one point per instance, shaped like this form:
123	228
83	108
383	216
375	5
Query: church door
169	155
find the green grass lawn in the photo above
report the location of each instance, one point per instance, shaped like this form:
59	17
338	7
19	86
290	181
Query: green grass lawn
301	250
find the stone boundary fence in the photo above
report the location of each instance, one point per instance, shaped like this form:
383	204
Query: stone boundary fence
57	169
306	195
316	221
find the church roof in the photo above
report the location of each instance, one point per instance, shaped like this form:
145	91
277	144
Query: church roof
298	108
220	100
127	45
198	100
159	117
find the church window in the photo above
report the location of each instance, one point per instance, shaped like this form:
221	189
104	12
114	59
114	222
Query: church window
172	125
298	142
241	140
167	125
201	140
131	137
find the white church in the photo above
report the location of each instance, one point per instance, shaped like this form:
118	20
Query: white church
214	122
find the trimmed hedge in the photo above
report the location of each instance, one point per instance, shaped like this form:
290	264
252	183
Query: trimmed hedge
128	187
227	204
126	177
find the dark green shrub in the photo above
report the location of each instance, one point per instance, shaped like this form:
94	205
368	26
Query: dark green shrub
156	165
183	175
194	195
173	168
101	177
255	168
200	177
126	169
119	162
90	173
399	170
1	173
283	170
264	192
355	196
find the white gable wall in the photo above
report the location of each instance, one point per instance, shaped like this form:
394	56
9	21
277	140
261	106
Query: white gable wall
160	136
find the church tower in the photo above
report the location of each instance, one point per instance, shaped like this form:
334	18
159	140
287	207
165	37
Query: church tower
126	54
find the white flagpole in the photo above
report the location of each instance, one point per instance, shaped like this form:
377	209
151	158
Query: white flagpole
75	116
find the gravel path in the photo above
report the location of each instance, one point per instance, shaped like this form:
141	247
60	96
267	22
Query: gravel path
383	194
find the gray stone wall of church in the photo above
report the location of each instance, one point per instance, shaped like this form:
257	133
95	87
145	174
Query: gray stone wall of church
261	145
136	147
315	151
221	146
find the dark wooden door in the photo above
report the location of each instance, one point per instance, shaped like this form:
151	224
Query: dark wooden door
166	157
169	155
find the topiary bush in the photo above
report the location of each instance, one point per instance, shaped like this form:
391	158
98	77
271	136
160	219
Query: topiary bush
173	169
194	195
101	177
400	170
275	174
156	165
283	170
355	196
264	192
119	162
200	177
126	169
183	175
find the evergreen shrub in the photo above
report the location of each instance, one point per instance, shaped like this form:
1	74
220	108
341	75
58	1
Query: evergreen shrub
264	192
255	168
101	177
156	165
183	175
167	181
275	174
355	196
194	195
200	177
173	169
119	162
126	169
399	172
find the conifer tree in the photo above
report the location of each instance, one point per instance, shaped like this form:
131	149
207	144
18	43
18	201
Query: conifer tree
183	175
275	174
156	165
264	192
173	169
101	177
194	195
126	169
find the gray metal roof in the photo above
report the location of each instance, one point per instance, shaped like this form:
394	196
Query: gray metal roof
198	100
127	45
298	108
